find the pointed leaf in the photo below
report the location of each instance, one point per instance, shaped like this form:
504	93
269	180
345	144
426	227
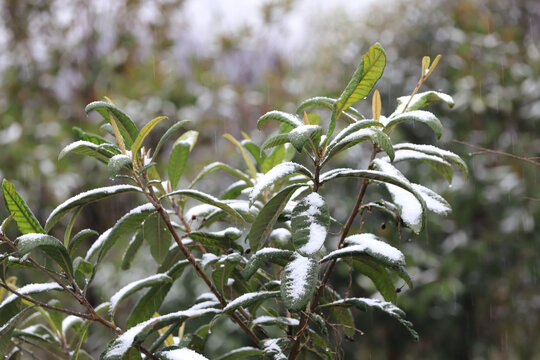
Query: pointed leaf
417	115
223	239
86	148
135	286
298	282
280	116
125	124
299	135
266	255
168	134
378	275
439	164
144	133
264	222
131	250
277	174
25	219
276	157
422	100
116	163
254	150
181	148
309	222
217	165
351	129
248	299
276	140
78	238
247	159
241	353
88	136
84	199
157	235
207	199
387	307
50	245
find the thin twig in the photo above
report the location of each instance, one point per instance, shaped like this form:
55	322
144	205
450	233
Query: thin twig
498	152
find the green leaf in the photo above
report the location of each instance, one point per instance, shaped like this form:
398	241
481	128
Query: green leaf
417	115
264	222
6	222
131	250
157	235
151	301
116	163
125	225
309	222
88	136
144	133
25	219
421	100
362	82
86	148
352	128
125	124
254	150
207	199
275	175
223	270
223	239
439	164
299	281
433	150
276	140
299	135
84	199
49	245
137	334
378	275
386	307
280	116
276	157
241	353
247	159
6	330
376	137
11	305
266	255
135	286
248	299
316	101
181	148
168	134
217	165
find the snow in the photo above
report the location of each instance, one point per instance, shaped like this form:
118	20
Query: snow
200	211
406	154
299	271
276	173
69	322
97	244
30	289
272	319
403	100
281	235
246	297
430	149
181	354
103	190
317	232
434	201
126	289
208	258
271	346
371	245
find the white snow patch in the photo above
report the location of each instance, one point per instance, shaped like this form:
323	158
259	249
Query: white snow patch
182	354
317	232
97	244
276	173
248	296
299	271
272	319
122	292
370	244
31	289
281	235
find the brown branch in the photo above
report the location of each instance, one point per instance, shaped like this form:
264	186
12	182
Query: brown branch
498	152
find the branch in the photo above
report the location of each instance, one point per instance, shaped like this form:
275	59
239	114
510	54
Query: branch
498	152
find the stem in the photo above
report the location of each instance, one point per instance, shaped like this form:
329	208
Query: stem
498	152
304	318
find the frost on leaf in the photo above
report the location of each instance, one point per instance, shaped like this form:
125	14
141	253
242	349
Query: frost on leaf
309	222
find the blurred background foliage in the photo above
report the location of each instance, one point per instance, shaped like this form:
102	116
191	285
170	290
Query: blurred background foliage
222	64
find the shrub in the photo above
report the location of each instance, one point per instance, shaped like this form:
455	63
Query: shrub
265	248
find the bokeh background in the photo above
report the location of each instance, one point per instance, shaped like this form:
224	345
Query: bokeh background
224	63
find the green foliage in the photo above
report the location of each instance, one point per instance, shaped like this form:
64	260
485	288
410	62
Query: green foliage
275	291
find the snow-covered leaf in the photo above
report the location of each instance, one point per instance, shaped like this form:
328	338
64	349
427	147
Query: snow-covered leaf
309	222
241	353
384	306
299	135
224	239
375	136
84	199
275	140
50	245
422	100
131	250
276	174
353	128
179	153
265	220
125	225
433	150
434	201
135	286
417	115
88	136
180	354
370	245
438	163
276	256
275	320
25	219
248	299
298	282
116	163
280	116
138	333
78	238
352	115
126	126
10	306
87	148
